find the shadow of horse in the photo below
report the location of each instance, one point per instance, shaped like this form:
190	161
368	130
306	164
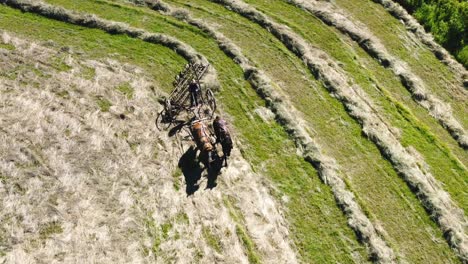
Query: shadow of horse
189	164
191	169
213	172
176	129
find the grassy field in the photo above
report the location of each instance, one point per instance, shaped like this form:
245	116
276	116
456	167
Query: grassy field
318	228
330	126
292	174
436	76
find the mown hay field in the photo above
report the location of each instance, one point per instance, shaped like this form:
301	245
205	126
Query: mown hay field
349	127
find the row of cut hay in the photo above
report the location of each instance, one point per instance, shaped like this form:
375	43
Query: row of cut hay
112	27
437	202
372	45
153	4
413	25
290	119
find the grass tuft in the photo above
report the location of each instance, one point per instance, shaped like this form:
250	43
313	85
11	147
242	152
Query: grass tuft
49	230
176	178
103	104
7	46
248	245
126	89
212	240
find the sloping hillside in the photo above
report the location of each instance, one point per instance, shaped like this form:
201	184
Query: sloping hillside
349	126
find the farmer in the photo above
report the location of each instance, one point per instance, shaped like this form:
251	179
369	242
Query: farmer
194	90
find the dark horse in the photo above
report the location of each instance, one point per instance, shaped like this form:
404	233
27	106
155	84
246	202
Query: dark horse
203	141
223	136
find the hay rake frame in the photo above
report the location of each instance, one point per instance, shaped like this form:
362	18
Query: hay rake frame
179	99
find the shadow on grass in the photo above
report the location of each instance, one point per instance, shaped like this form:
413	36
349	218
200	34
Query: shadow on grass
190	166
191	169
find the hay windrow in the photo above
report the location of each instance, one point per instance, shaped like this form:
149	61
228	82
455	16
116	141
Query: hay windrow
290	119
438	109
437	202
413	25
112	27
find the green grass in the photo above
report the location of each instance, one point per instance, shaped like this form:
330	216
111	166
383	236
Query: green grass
64	94
182	218
248	245
126	89
159	233
153	231
446	163
49	230
3	233
386	196
165	228
87	72
67	132
59	64
103	104
7	46
392	33
176	179
3	179
198	255
212	240
442	164
160	62
321	236
246	241
11	75
317	225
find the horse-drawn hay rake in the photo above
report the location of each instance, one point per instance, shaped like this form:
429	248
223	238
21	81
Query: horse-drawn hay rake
193	109
179	102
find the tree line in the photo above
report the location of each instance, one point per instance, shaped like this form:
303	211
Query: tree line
447	20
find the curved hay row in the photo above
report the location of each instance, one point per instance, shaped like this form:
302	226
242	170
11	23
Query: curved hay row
399	12
372	45
437	201
290	119
112	27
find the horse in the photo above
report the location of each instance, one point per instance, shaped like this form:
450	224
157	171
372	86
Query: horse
203	141
223	136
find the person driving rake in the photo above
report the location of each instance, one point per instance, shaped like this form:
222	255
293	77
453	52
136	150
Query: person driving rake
194	90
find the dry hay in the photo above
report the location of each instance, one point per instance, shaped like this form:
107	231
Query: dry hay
80	183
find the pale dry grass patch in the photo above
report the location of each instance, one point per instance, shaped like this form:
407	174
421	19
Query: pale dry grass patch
82	184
